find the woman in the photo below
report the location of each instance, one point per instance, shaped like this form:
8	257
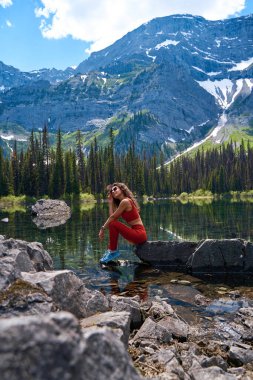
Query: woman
121	203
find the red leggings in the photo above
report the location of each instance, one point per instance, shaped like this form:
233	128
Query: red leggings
135	234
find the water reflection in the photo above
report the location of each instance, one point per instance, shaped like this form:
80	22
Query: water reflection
75	245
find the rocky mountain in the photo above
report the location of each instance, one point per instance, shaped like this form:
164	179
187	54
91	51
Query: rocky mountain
165	84
12	77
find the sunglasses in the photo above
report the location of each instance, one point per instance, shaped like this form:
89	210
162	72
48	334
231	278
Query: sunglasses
115	188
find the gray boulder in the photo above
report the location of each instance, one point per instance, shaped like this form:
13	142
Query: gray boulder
210	373
150	330
54	348
50	213
105	357
210	255
68	292
219	256
129	304
22	298
113	320
176	327
214	361
168	253
18	256
159	309
39	347
167	359
239	356
248	263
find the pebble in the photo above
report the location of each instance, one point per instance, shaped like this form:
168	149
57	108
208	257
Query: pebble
184	282
149	350
181	282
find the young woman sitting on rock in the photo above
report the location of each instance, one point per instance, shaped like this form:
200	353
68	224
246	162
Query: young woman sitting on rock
121	204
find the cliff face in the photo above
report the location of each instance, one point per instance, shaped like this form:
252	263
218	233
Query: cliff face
182	71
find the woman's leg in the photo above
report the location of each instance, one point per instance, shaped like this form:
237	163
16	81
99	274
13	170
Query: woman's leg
135	235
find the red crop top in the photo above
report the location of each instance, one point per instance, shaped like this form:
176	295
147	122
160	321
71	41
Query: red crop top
133	214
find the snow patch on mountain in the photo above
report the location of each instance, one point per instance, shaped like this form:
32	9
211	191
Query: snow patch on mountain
166	43
242	65
218	42
11	137
213	135
153	57
212	73
171	140
83	77
226	91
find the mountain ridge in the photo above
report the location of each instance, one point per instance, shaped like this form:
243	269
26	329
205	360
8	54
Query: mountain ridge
181	70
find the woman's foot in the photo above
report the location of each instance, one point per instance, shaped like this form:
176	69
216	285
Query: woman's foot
109	256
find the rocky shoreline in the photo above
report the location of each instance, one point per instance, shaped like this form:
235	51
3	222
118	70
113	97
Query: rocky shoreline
53	326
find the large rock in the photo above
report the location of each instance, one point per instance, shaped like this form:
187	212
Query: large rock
50	213
158	309
175	326
18	256
239	356
113	320
210	373
129	304
221	256
105	358
68	292
41	347
169	253
53	347
22	298
150	330
210	255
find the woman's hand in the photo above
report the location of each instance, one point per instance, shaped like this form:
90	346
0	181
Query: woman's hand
101	234
110	197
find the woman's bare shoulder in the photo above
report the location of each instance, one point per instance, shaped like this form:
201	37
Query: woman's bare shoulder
125	201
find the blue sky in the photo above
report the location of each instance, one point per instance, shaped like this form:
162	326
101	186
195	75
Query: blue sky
59	33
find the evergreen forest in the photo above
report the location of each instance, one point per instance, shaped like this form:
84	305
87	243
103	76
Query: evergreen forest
42	170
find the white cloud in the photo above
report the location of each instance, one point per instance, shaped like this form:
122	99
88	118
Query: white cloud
5	3
101	22
8	23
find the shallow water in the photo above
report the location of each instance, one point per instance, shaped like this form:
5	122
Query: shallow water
75	246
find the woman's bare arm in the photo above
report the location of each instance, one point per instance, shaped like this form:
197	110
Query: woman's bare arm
116	214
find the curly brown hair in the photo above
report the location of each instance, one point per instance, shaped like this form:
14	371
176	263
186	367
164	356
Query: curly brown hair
127	193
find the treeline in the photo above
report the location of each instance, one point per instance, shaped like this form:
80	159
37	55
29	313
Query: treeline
229	168
42	170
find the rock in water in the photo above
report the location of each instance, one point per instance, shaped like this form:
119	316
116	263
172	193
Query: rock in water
5	220
50	213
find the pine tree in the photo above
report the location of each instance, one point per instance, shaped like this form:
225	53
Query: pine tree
58	178
80	160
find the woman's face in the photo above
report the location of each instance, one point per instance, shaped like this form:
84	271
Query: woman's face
116	192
